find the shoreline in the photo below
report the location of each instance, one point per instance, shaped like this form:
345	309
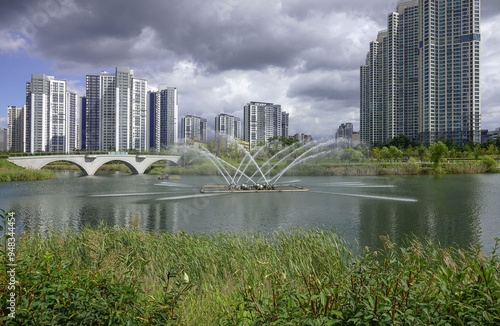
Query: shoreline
10	172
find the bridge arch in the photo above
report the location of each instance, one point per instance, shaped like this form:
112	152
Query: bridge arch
47	162
132	168
156	161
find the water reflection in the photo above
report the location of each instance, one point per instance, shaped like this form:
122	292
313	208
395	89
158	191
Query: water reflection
459	209
446	212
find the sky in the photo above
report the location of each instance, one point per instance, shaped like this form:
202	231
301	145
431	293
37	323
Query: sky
220	54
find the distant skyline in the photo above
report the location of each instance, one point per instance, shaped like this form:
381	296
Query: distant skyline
304	55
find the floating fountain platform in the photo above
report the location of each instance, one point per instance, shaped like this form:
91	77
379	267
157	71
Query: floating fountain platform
251	188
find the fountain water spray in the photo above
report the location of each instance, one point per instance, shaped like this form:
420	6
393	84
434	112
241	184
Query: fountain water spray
232	174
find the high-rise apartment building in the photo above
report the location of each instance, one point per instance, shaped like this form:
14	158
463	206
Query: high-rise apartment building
421	75
50	115
116	111
203	129
224	125
193	127
164	113
237	128
273	117
284	123
261	121
82	123
71	141
15	127
345	131
3	139
344	134
139	124
227	125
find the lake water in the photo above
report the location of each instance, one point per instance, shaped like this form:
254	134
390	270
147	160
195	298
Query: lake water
449	209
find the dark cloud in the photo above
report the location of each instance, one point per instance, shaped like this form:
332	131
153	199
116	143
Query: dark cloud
219	36
220	54
335	85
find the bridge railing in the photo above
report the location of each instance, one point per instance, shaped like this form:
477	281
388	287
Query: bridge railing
86	153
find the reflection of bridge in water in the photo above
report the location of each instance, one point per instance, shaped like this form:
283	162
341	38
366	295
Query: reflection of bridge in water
90	163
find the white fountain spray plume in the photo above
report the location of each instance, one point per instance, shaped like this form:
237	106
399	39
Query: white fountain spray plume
215	159
217	166
281	151
244	159
254	156
252	160
183	148
284	158
237	170
301	159
239	166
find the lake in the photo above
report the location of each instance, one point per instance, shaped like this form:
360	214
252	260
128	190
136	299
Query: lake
449	209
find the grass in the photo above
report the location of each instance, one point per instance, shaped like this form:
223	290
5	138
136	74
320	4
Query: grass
11	172
107	275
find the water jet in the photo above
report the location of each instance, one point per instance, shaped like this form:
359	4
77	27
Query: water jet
258	181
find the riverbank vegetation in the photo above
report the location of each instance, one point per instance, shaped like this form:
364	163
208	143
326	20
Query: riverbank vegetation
106	275
400	156
11	172
70	167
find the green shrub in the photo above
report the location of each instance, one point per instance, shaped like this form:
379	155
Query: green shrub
490	164
125	276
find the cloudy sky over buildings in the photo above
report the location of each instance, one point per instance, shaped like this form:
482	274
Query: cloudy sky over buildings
304	55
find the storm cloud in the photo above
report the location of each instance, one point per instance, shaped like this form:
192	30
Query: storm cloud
304	55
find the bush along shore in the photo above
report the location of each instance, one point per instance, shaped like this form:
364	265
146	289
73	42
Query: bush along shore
125	276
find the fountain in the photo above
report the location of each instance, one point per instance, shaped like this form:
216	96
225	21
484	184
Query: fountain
260	181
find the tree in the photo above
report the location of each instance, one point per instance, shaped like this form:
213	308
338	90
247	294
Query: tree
490	164
395	153
386	155
492	149
351	155
377	152
477	151
403	142
423	153
410	152
438	151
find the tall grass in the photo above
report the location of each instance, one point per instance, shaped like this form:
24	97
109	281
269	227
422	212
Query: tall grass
67	166
11	172
286	277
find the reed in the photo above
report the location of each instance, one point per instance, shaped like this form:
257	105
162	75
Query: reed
126	275
10	172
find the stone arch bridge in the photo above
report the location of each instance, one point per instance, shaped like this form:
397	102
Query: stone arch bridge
90	163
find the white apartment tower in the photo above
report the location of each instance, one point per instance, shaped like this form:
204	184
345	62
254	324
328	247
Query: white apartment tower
237	128
285	117
164	112
261	121
449	56
193	127
50	115
116	111
139	106
15	127
224	125
421	75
